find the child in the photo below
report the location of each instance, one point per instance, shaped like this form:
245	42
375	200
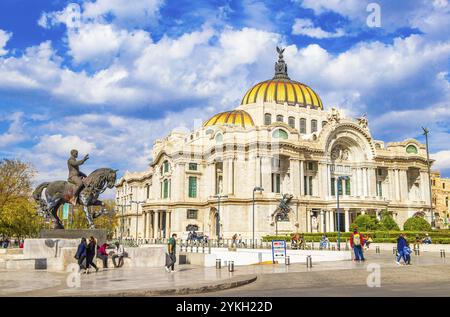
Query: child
407	254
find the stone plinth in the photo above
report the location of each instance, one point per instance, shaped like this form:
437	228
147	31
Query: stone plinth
46	248
98	234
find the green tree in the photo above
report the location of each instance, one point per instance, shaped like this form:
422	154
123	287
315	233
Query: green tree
365	223
388	223
416	224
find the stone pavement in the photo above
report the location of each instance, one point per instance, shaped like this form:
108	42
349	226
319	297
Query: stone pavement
191	279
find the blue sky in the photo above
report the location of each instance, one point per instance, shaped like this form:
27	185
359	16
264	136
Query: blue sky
110	76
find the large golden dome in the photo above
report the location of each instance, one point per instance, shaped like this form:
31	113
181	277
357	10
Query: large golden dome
281	89
235	117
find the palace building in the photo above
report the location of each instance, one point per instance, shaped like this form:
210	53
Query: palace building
283	139
440	189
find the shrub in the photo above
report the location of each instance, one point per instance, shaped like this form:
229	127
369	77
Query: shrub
365	223
388	223
416	224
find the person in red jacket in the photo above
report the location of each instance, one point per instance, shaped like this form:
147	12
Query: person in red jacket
357	244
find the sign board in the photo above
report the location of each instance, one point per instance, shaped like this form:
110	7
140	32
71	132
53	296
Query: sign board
278	250
340	170
66	209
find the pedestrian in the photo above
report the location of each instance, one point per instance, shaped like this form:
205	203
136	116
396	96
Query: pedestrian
81	254
401	244
171	257
427	239
407	252
324	242
368	241
21	244
233	239
90	254
357	243
119	252
103	255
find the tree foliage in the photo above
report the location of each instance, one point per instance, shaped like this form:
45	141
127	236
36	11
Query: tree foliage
365	223
416	224
18	215
388	223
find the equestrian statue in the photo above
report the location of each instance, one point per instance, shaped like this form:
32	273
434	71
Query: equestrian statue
78	189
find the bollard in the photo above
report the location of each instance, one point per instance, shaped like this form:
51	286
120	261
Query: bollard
287	260
333	248
308	261
442	253
209	247
218	264
203	248
377	249
231	266
192	247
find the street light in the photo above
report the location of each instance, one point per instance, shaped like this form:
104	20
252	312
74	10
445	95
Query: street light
218	215
425	132
260	189
339	186
137	214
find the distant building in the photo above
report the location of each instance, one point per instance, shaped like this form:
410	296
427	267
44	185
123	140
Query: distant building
282	139
440	189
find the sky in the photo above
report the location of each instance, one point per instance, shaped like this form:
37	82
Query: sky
108	77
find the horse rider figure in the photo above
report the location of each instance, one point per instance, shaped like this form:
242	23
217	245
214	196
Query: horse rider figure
75	176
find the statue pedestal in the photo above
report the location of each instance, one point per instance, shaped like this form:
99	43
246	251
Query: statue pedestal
98	234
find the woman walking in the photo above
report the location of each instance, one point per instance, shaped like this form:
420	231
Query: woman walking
90	254
81	254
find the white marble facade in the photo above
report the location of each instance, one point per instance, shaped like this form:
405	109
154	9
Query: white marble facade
230	159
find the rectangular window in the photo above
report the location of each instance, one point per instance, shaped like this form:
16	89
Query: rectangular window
311	185
339	184
347	186
379	189
291	122
192	187
166	188
192	214
311	166
303	126
192	166
333	186
148	191
166	166
276	183
380	172
313	126
305	185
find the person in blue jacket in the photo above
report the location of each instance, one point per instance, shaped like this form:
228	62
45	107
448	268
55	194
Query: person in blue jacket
81	254
401	244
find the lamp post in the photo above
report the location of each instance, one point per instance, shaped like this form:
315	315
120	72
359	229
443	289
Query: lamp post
137	214
425	132
260	189
218	196
339	186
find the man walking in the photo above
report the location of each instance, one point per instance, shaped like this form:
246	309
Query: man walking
171	258
357	243
401	244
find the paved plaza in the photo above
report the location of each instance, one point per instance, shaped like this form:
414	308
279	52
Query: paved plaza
429	275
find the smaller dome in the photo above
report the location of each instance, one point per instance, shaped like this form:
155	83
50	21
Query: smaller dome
235	117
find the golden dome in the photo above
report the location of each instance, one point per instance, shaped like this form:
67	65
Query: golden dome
235	117
281	89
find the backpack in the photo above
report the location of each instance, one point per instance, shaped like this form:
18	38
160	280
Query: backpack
357	239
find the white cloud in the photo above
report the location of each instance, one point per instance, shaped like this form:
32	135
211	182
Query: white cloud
348	8
442	160
15	133
306	27
60	145
4	38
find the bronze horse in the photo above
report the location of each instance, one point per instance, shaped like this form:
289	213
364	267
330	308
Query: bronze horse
51	195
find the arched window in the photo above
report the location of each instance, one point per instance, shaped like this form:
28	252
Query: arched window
411	149
280	118
280	134
303	126
267	119
291	122
219	137
313	125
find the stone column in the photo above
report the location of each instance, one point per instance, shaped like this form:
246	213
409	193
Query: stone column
364	181
424	184
347	220
331	213
308	220
373	182
266	174
397	184
156	224
359	189
391	177
328	193
321	221
404	185
302	178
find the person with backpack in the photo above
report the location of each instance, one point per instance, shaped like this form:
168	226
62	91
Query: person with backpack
357	244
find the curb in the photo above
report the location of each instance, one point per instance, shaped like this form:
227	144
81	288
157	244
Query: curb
183	290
